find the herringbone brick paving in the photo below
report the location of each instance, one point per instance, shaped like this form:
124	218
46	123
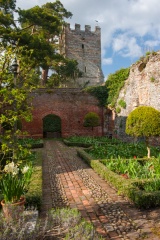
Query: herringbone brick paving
68	181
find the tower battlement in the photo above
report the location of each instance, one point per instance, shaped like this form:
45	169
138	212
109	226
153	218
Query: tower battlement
85	47
86	29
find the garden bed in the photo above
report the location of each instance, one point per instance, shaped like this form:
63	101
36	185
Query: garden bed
128	187
32	143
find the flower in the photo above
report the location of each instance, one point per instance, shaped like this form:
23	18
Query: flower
11	168
25	169
15	181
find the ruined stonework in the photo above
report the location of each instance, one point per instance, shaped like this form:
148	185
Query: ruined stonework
85	47
142	88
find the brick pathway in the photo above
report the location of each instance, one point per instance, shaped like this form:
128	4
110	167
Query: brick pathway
68	181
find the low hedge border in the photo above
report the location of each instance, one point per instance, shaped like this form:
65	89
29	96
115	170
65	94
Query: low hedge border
124	186
37	145
76	144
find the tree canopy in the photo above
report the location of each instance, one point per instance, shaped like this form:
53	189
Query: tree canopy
37	30
144	121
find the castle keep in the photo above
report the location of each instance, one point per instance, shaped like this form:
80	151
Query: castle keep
85	47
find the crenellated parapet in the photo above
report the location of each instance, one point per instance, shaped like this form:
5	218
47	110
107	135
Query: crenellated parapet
84	45
86	29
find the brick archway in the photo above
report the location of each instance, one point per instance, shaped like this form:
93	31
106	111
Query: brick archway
51	126
71	105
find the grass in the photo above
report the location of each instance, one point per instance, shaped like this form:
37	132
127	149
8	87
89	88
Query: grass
34	194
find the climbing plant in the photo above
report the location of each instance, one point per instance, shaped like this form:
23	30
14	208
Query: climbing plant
100	92
114	84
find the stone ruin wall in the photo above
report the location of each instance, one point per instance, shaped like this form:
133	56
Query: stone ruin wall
142	88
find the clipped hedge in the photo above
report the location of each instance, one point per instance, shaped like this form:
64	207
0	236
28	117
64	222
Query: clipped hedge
123	185
76	144
126	187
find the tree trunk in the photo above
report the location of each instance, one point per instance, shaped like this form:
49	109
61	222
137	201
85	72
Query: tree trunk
148	148
44	76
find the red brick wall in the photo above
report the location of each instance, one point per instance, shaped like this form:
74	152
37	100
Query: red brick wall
70	105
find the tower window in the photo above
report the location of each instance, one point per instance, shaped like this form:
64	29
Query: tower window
82	46
85	69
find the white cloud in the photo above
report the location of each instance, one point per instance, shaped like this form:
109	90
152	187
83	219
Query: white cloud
126	46
107	61
125	24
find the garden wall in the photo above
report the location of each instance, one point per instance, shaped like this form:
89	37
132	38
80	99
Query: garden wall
71	105
142	88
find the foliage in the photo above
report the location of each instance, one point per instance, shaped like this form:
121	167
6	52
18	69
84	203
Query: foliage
91	119
31	142
15	181
66	72
61	223
114	83
51	123
35	29
100	92
123	150
127	187
118	109
92	140
134	168
144	121
34	194
15	102
122	103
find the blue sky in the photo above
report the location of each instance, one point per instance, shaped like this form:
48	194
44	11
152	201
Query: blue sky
129	28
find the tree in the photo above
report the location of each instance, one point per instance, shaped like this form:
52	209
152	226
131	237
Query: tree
144	121
92	120
15	104
65	74
36	29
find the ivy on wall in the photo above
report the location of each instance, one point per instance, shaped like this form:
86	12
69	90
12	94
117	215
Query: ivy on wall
114	84
100	92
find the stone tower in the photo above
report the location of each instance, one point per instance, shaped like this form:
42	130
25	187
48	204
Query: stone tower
85	47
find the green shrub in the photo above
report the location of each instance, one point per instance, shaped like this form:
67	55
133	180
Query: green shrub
114	84
100	92
91	119
144	121
127	187
118	110
122	103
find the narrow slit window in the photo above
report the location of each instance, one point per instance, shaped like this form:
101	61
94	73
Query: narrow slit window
82	46
85	69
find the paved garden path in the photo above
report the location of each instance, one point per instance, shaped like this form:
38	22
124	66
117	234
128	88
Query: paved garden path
68	181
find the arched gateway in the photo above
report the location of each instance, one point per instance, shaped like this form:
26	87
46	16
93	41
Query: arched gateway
69	105
51	126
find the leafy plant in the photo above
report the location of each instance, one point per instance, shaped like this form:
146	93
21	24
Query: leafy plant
100	92
144	121
15	181
152	79
114	83
92	120
122	103
118	109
